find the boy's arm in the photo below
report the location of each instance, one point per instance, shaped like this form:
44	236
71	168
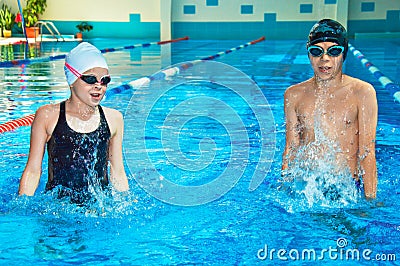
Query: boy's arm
292	134
367	121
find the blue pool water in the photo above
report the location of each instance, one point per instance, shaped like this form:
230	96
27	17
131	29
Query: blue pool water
240	227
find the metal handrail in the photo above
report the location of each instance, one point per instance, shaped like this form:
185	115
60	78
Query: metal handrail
51	28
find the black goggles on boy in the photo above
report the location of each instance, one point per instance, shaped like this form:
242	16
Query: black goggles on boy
317	51
88	78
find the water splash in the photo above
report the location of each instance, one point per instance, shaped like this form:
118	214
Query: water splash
106	204
315	179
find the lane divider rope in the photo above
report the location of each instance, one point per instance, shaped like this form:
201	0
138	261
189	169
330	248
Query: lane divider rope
27	120
389	85
11	125
175	70
19	62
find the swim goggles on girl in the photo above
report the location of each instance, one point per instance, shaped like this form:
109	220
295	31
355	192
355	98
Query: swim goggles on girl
89	79
317	51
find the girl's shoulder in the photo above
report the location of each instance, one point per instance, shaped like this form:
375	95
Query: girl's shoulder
114	119
48	111
111	113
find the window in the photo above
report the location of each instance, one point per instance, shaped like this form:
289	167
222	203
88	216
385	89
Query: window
367	7
306	8
189	10
211	2
246	9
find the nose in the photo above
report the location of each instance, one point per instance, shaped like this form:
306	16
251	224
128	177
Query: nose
98	86
325	56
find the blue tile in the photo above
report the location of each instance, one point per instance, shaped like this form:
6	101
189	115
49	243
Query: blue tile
246	9
393	21
306	8
218	30
367	7
330	2
189	9
212	3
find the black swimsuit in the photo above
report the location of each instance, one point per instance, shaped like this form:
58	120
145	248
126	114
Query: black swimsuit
78	161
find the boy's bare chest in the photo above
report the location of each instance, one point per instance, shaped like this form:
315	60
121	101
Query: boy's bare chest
334	111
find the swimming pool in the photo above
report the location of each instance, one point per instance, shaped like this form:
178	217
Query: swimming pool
241	227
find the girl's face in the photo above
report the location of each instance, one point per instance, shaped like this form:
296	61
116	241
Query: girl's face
91	94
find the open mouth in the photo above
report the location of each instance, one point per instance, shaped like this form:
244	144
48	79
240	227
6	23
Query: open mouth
324	69
96	95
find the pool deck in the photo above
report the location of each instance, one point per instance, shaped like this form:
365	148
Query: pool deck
44	38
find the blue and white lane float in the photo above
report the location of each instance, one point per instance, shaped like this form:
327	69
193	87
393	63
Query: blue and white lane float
27	120
144	81
389	85
19	62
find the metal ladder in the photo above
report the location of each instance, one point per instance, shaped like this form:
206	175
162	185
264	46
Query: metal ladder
51	28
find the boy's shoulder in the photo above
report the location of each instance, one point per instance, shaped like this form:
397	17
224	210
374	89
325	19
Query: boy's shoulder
299	88
360	86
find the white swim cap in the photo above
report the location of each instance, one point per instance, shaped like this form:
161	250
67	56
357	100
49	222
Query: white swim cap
83	57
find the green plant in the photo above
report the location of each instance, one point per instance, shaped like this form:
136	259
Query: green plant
6	17
84	26
32	11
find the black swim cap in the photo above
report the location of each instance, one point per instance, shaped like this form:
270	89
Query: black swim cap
328	30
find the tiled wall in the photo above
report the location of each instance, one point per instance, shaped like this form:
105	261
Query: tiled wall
283	19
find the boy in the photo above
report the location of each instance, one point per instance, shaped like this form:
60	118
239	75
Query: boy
332	109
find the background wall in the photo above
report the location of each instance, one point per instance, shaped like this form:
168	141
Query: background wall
218	19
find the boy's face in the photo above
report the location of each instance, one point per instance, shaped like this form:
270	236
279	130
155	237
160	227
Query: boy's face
326	67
